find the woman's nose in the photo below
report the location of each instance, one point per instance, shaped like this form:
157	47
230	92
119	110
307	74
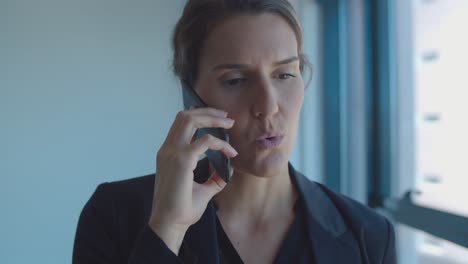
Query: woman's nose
265	101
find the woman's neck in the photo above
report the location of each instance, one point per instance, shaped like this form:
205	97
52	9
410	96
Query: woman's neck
252	200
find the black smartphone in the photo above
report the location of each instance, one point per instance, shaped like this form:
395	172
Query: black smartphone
220	162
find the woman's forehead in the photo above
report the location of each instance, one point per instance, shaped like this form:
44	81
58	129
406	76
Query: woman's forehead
250	39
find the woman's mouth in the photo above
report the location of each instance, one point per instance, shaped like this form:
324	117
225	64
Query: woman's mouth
270	142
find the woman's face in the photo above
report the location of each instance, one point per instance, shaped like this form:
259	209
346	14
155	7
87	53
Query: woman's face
249	67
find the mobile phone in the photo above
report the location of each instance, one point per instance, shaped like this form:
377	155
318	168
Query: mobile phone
220	162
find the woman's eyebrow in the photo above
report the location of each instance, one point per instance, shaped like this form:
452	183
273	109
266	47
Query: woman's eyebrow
286	61
231	66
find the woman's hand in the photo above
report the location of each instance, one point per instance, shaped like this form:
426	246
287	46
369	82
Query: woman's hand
179	201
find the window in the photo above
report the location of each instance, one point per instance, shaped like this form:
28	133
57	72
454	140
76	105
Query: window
439	48
410	56
441	106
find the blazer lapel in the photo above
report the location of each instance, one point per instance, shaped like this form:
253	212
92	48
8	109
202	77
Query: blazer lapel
331	240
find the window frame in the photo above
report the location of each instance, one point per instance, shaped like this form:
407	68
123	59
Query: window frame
385	161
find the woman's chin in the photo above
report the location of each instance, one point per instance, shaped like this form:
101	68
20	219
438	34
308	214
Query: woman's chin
262	166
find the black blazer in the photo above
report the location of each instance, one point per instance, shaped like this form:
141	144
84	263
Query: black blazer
113	227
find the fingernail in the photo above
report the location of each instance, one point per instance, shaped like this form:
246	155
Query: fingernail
231	121
235	152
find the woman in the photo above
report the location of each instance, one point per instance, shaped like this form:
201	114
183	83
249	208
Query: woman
244	59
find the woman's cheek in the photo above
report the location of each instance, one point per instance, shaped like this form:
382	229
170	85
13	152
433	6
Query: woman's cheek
292	98
237	130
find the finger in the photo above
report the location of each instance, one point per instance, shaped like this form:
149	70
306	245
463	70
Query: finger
171	134
190	124
201	145
213	185
209	111
185	116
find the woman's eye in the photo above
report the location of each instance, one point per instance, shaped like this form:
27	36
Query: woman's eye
285	76
234	82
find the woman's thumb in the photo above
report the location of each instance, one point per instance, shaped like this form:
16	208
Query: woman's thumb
214	184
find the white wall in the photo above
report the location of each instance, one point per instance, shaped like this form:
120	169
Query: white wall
87	96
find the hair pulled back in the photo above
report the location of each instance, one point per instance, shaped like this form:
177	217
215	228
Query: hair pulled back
201	16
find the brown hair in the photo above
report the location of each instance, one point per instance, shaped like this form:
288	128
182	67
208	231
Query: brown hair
201	16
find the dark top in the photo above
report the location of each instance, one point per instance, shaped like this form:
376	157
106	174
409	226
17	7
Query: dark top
113	228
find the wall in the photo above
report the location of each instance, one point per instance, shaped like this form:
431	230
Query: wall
87	96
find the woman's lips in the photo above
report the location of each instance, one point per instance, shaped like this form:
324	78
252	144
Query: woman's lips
269	142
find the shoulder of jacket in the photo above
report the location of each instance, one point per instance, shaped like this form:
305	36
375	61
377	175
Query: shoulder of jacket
124	190
373	229
355	211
